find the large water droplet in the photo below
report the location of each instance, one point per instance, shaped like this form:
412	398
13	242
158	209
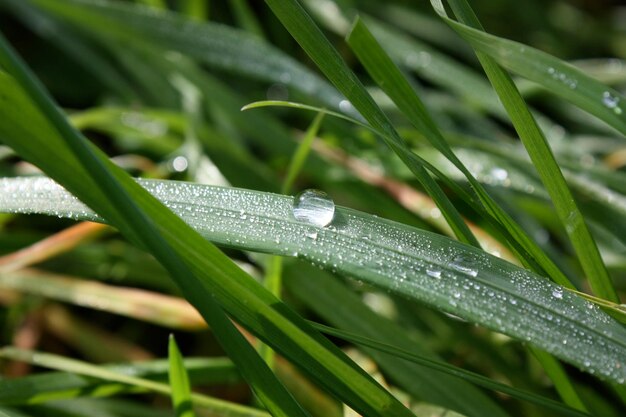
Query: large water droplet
557	293
314	207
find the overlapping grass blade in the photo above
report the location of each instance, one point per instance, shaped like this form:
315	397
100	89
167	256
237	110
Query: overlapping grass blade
440	272
544	162
241	296
311	39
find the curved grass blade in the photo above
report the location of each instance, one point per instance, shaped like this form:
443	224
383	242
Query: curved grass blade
217	45
423	266
61	363
179	381
218	278
312	40
543	159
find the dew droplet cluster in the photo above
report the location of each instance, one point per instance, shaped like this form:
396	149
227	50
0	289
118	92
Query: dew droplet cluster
431	268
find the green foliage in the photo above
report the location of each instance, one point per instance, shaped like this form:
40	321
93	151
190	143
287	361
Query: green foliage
477	244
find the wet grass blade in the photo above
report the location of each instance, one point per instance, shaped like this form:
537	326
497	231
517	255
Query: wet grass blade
423	266
315	44
544	162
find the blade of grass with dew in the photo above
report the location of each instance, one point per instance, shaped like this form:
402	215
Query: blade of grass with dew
451	370
74	366
211	43
388	76
311	39
339	306
108	183
253	306
448	275
179	381
544	162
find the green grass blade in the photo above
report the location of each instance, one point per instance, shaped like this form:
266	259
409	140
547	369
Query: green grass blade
544	162
211	43
561	381
243	298
311	39
556	76
179	381
397	87
50	386
61	363
423	266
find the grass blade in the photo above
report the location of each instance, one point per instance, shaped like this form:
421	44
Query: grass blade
544	162
433	269
179	381
82	368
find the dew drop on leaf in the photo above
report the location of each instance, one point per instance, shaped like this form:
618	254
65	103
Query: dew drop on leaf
314	207
557	293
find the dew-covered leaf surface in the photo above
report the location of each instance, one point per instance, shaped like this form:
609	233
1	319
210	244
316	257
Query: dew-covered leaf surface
433	269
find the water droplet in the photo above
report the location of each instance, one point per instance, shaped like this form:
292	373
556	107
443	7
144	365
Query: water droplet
557	293
435	273
312	235
314	207
345	106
